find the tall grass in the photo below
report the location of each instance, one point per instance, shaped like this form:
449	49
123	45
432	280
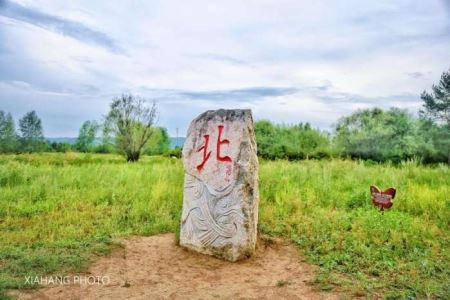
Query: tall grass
58	210
325	208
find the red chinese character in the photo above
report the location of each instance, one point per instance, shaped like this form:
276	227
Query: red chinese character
219	142
205	154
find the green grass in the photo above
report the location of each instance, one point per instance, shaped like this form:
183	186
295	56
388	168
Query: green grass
325	208
58	210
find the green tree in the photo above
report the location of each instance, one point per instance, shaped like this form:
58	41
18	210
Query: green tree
31	133
86	136
378	135
107	144
437	104
8	136
436	108
130	122
60	147
290	142
435	139
266	135
159	143
441	138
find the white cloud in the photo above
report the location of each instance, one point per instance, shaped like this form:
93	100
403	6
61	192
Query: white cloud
336	55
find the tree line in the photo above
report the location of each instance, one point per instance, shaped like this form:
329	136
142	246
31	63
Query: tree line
128	129
30	137
372	134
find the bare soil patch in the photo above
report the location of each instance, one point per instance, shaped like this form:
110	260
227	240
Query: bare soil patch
156	268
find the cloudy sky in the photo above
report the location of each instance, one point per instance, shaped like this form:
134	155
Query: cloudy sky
289	61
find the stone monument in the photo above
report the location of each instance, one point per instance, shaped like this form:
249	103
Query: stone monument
220	202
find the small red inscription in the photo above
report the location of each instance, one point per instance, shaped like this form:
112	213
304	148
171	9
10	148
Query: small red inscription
228	173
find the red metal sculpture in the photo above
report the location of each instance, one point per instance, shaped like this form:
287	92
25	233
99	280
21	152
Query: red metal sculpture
382	199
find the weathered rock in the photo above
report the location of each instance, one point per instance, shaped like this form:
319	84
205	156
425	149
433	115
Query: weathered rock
220	204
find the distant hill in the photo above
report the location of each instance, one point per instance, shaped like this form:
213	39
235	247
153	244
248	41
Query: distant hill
67	140
177	142
174	142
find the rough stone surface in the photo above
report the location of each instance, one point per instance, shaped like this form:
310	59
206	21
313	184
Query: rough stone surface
220	203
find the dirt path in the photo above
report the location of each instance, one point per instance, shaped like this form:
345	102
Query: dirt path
155	268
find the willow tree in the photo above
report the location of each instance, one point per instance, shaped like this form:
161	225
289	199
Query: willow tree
378	135
130	123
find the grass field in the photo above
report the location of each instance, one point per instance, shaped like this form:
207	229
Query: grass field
58	210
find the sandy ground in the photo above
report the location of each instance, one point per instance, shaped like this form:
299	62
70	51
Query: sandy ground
155	268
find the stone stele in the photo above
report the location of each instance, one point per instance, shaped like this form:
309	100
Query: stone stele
220	203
